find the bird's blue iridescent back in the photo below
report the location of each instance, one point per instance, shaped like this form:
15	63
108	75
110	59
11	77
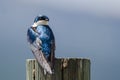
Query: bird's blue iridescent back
45	34
47	38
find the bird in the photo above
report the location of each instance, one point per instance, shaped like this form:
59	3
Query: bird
41	41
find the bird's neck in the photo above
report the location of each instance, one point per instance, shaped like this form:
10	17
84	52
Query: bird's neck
42	22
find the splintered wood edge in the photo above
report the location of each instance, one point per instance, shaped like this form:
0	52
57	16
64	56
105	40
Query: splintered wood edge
64	58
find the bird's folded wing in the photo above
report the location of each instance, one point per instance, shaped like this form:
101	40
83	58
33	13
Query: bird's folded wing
42	60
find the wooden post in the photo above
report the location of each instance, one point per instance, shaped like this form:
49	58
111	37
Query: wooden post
65	69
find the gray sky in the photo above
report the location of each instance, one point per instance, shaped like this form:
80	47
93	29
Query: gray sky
82	28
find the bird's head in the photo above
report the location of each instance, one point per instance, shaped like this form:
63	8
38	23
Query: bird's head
41	20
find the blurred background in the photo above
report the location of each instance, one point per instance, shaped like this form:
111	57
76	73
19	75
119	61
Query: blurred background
82	28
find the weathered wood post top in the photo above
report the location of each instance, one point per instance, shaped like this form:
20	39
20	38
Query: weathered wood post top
65	69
